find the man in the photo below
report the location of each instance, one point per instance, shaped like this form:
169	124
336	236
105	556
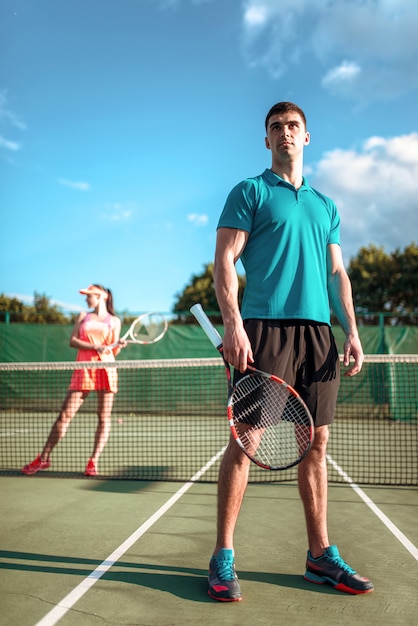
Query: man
288	238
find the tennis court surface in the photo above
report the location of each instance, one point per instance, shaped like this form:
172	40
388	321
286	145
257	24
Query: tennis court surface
132	546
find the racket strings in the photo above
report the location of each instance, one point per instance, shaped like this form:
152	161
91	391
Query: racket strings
272	424
148	328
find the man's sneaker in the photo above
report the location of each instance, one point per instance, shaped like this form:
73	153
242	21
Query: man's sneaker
331	568
35	466
91	469
223	581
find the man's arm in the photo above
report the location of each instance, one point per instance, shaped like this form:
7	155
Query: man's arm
230	243
341	300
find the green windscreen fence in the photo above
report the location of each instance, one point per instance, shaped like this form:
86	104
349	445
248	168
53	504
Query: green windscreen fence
44	343
169	414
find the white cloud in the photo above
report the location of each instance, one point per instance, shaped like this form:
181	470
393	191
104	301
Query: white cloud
347	71
13	146
255	15
7	114
78	185
198	220
9	121
271	36
67	306
343	36
176	4
376	191
22	297
118	212
29	301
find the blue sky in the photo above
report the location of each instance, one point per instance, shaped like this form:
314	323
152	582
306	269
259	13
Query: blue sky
125	123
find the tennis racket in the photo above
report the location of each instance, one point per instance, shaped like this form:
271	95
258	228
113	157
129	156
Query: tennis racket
147	328
267	417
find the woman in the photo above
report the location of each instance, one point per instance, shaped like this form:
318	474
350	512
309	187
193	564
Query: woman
92	335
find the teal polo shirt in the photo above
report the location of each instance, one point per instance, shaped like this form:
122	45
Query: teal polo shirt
285	259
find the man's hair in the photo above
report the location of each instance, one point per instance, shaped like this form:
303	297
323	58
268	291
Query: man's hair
284	107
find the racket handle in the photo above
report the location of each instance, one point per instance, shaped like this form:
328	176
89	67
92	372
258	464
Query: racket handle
207	325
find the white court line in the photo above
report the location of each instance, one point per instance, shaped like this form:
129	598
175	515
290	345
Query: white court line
74	596
383	518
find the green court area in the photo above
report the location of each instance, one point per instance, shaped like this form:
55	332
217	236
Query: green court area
148	447
92	552
132	546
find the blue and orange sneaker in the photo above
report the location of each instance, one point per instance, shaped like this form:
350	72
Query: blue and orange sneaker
332	569
35	466
223	581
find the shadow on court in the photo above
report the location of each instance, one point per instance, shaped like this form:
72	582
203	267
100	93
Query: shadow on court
184	582
99	484
144	473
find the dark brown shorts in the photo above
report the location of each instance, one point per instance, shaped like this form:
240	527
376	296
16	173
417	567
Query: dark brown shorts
303	354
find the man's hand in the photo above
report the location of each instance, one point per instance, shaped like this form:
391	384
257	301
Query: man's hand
237	348
353	348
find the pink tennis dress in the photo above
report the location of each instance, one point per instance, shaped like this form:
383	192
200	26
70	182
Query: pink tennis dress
99	332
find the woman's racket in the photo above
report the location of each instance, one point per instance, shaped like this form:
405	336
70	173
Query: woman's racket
147	328
267	417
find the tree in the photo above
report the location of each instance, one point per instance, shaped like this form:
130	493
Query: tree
42	311
201	289
13	307
382	284
404	286
385	283
46	313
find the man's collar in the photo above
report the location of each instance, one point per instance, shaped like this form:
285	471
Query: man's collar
275	179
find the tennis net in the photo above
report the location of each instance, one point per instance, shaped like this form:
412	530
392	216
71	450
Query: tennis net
169	421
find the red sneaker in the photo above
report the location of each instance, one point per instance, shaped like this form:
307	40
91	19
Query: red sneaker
35	466
91	469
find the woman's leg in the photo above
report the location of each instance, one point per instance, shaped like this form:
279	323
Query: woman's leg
104	412
72	403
